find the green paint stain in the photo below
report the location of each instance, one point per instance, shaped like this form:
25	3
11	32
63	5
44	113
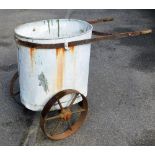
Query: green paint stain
81	31
48	22
43	81
51	22
58	28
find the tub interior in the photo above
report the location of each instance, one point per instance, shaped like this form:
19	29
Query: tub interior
53	29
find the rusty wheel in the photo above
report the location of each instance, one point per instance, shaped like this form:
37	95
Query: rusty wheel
62	123
14	94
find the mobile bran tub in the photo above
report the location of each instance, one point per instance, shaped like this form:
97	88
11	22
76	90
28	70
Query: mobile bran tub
53	67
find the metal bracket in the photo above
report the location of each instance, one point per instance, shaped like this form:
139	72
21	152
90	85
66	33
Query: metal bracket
66	46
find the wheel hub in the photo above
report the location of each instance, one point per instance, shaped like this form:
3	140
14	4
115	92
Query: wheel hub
66	114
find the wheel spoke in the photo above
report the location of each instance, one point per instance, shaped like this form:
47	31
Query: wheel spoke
78	111
69	124
68	118
13	80
52	118
73	100
56	127
14	98
61	107
14	94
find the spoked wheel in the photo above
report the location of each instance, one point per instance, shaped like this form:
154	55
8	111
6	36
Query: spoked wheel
62	123
14	93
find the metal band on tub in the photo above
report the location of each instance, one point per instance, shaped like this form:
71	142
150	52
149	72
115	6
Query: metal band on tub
100	36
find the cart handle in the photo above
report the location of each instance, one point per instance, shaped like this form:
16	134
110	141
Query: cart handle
100	20
100	36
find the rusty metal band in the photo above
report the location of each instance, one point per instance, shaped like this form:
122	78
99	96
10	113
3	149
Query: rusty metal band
86	41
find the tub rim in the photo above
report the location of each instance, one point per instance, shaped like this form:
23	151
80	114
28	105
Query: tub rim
20	37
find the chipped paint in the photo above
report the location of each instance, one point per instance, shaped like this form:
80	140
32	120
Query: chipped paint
32	55
43	81
60	58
